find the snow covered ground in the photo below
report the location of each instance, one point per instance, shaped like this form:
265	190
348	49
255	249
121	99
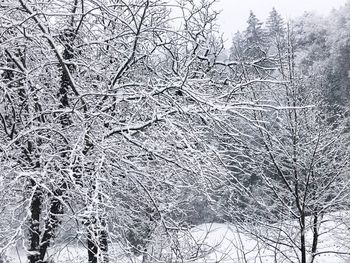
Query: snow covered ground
226	243
62	254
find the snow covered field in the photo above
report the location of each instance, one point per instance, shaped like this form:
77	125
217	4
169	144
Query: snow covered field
227	244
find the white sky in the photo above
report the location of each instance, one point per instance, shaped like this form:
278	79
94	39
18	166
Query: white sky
234	14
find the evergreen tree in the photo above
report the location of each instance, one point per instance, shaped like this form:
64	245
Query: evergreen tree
237	48
276	33
255	37
275	25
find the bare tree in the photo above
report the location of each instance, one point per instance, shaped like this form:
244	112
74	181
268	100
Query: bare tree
105	116
296	164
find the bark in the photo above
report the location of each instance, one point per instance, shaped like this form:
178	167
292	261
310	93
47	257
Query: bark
29	157
92	246
97	241
302	239
51	223
39	246
314	237
34	229
104	242
56	207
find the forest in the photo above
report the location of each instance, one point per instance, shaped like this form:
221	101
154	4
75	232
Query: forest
131	132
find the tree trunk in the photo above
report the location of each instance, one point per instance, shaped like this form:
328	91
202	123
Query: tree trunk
314	237
51	223
92	247
34	229
97	241
302	238
104	242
